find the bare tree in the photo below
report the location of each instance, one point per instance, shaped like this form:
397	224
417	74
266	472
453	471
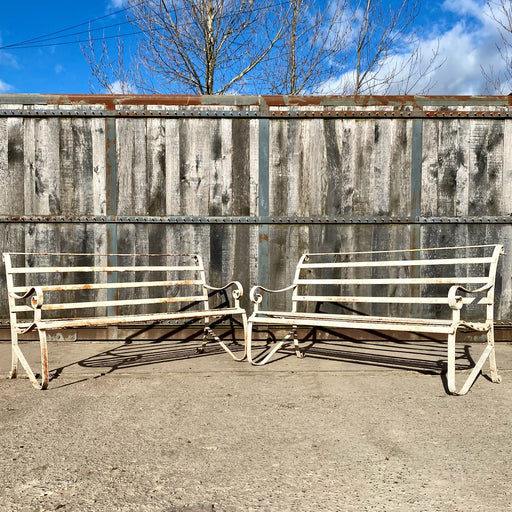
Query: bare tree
110	74
352	47
500	81
313	50
386	51
268	46
195	46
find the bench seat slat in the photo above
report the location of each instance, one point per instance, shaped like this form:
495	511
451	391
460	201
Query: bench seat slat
127	302
397	280
101	286
362	322
303	314
398	263
67	270
383	300
74	323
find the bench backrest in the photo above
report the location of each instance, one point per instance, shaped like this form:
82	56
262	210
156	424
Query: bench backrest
83	285
395	283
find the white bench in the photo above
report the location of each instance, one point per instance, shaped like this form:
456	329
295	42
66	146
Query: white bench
391	291
49	292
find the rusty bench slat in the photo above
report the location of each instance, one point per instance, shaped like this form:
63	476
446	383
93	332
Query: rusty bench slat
106	286
94	269
112	303
400	263
49	325
381	300
398	281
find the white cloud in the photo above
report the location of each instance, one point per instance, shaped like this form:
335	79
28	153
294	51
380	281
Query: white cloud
117	4
465	46
464	7
4	87
119	87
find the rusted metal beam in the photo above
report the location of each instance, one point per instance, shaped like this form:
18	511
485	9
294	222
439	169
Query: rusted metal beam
262	101
41	112
173	106
256	220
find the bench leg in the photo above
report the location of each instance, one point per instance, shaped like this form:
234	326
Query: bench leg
495	377
14	354
18	355
209	332
298	352
489	352
249	348
279	344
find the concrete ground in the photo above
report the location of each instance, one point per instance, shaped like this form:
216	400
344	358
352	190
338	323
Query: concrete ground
355	426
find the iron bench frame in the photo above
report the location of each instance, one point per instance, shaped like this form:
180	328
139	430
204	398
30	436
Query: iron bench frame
456	300
36	297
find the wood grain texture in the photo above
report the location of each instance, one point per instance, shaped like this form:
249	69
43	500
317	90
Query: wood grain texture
210	167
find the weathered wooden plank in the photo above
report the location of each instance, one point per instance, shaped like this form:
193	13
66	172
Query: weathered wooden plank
241	204
284	144
195	169
485	167
41	171
220	200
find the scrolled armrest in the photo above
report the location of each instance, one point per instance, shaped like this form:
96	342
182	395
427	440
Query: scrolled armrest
37	296
256	298
455	301
36	302
237	292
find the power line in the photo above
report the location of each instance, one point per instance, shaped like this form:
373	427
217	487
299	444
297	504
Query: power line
45	38
77	41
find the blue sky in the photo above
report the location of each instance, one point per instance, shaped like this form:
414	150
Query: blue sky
465	35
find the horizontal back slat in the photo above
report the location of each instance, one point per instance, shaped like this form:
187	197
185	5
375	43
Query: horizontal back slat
127	302
112	303
84	286
106	286
399	263
68	270
396	281
423	250
382	300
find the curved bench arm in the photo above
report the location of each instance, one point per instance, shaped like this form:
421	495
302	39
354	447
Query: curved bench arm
257	298
455	301
36	303
37	296
237	292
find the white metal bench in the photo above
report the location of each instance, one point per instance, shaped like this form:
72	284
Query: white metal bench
391	291
94	290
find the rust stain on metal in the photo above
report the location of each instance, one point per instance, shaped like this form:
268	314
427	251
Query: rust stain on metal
111	101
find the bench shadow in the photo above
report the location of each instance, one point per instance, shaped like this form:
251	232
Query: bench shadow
424	354
176	343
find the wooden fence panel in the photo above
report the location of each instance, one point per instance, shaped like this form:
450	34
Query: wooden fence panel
181	164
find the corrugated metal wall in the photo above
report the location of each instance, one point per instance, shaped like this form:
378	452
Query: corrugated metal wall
252	182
